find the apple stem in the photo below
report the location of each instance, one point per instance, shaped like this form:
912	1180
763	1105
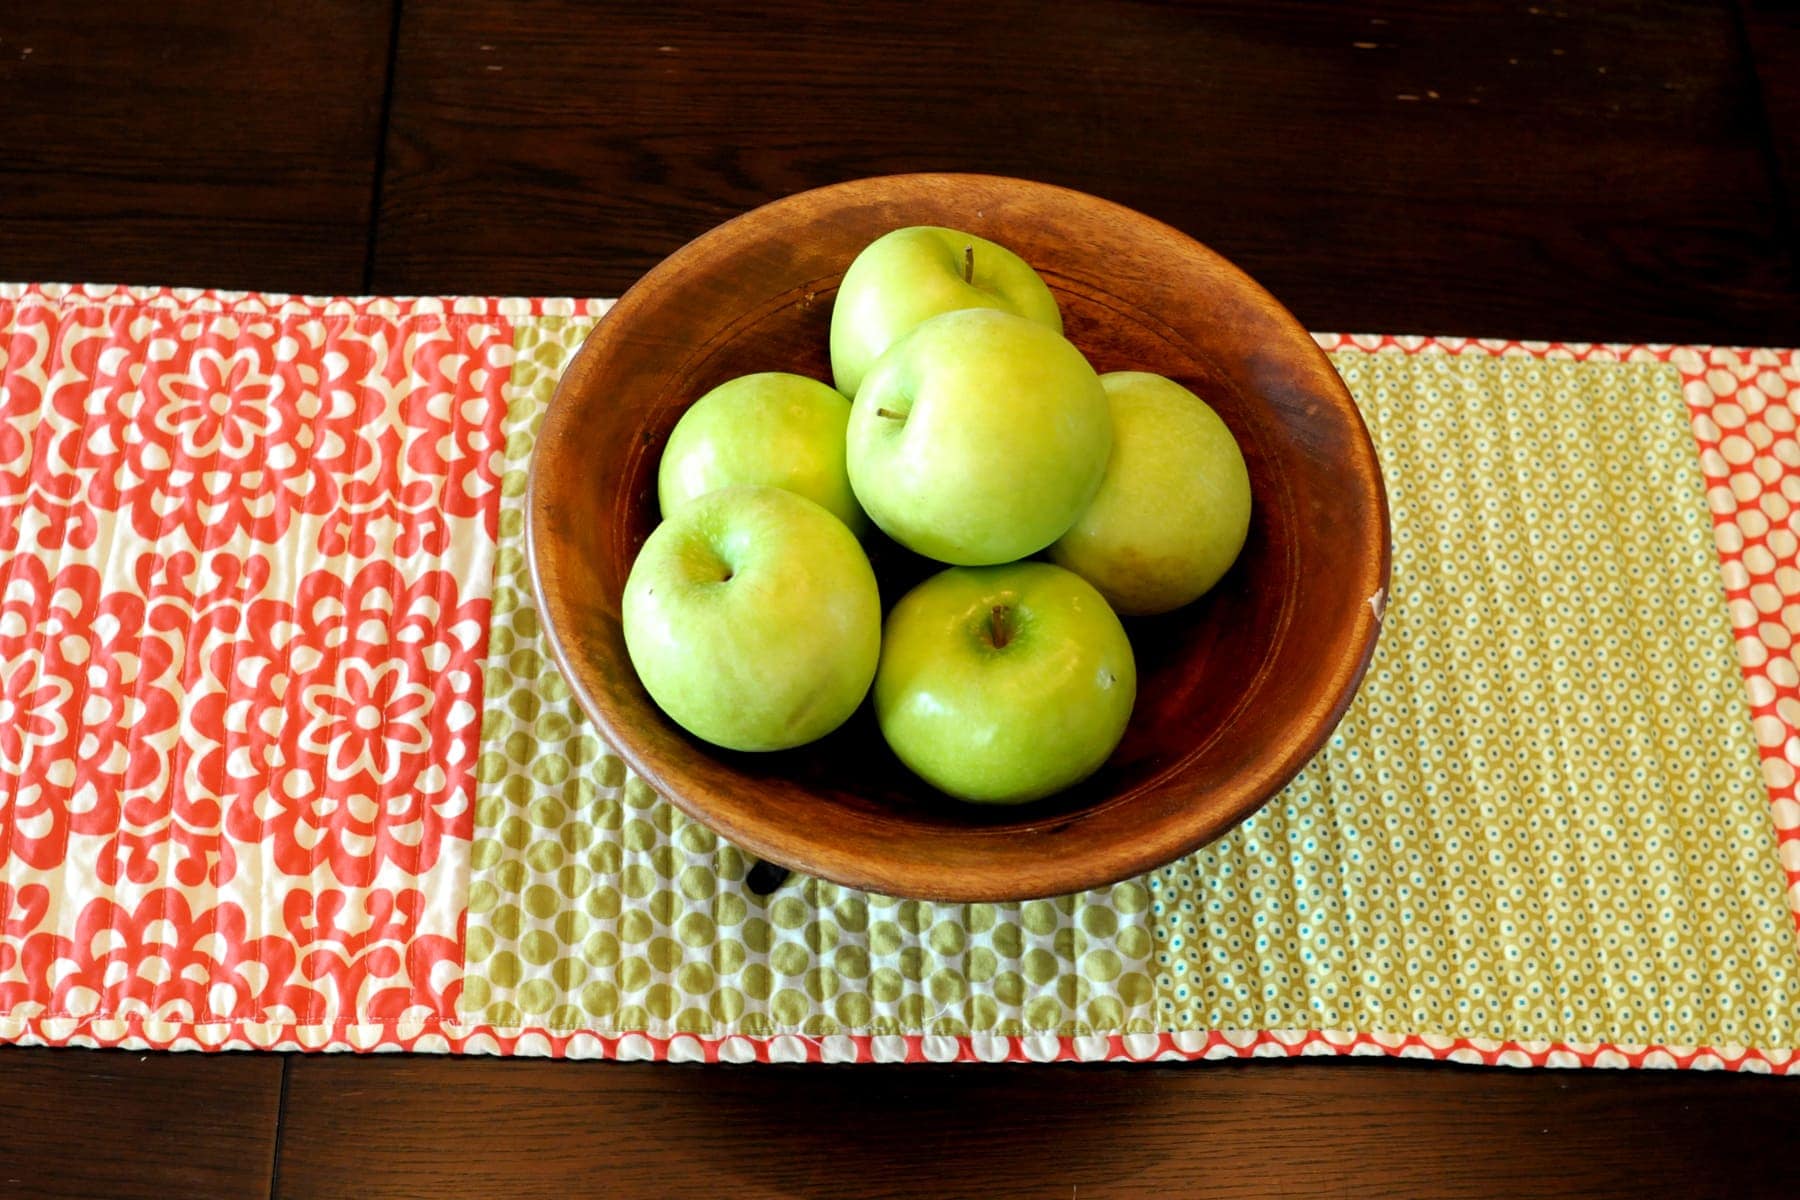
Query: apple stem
890	414
999	628
969	264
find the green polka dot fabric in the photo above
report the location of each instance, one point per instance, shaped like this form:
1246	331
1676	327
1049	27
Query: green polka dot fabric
1542	818
594	905
1540	826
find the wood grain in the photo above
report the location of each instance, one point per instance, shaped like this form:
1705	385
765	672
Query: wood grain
1772	47
1234	693
202	143
1258	1129
85	1123
1556	170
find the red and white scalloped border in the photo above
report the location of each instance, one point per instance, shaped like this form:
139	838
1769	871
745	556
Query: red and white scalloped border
216	300
426	1034
1742	404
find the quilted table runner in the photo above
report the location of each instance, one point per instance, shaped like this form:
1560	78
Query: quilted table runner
284	762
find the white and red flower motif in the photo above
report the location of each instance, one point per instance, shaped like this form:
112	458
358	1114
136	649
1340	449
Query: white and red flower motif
165	958
88	714
233	427
46	354
22	912
371	958
371	722
338	727
92	736
426	457
239	651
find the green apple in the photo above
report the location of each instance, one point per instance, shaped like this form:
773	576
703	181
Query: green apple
1174	508
752	618
771	429
978	438
1004	684
904	277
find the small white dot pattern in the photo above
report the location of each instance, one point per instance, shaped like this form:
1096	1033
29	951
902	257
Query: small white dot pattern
1542	817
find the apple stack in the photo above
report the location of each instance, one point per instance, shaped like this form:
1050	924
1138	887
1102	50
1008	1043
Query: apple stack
965	427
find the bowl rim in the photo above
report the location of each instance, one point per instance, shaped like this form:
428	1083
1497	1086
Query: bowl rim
802	849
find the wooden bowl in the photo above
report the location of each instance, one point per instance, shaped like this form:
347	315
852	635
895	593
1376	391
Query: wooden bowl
1235	692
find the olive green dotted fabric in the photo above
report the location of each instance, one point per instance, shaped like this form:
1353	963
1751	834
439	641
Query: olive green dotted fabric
594	905
1542	817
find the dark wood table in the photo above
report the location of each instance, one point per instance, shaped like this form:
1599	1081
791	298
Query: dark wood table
1624	171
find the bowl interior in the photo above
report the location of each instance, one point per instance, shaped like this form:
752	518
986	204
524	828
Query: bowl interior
1235	691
